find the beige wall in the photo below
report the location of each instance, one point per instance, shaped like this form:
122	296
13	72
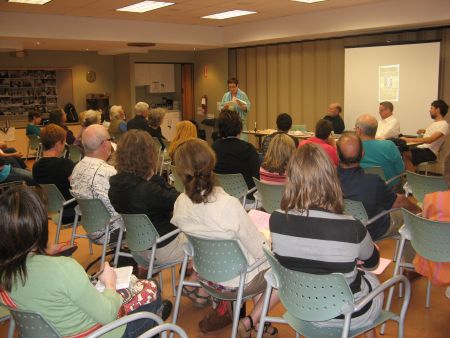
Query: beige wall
214	85
302	78
79	62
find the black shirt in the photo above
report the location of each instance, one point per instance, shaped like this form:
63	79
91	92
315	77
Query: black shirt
338	123
54	170
235	156
372	192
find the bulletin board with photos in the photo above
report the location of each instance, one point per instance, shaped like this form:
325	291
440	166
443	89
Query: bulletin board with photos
22	91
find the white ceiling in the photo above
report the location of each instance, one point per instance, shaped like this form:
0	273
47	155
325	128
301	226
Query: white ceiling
95	25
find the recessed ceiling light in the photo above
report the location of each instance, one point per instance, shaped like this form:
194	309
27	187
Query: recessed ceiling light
309	1
31	2
145	6
227	15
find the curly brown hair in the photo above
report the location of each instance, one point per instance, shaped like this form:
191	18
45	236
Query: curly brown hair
194	164
136	154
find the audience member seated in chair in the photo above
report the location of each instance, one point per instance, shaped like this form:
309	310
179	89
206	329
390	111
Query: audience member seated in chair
52	169
284	124
118	125
234	155
87	118
8	173
311	234
69	302
381	153
388	126
323	138
273	167
333	114
205	210
433	137
369	189
90	177
184	130
436	206
34	120
12	156
59	117
136	189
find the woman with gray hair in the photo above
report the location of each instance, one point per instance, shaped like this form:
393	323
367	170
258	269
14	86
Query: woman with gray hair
117	126
155	119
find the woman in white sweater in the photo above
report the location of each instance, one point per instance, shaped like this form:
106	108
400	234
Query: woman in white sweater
206	210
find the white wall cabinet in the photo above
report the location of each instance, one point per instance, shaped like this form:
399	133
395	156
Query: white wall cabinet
159	77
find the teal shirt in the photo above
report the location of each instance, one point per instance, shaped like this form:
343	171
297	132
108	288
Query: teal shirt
33	130
385	154
243	97
59	289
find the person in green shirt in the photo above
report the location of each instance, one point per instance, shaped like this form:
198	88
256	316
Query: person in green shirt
34	120
69	302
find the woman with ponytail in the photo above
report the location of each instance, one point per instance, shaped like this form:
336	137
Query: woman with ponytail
206	210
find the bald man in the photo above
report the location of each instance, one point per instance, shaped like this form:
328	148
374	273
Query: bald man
90	177
369	189
333	115
378	153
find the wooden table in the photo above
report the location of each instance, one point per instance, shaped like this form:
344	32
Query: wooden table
262	133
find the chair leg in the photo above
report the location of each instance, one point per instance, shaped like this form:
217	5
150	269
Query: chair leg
179	289
238	306
160	276
118	247
391	290
12	327
346	328
58	226
174	288
397	242
427	304
264	310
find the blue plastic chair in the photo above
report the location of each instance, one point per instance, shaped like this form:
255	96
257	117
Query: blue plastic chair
270	195
216	261
308	298
422	185
235	185
55	206
141	235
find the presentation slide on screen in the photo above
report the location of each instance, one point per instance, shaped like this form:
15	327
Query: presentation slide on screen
406	75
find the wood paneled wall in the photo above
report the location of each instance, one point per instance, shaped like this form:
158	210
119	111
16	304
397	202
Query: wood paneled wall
302	78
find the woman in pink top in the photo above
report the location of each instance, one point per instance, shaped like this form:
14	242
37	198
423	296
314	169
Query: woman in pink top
436	207
323	138
273	168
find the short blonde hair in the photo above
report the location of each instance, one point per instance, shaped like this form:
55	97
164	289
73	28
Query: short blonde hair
114	112
89	117
184	130
280	150
156	116
312	182
140	108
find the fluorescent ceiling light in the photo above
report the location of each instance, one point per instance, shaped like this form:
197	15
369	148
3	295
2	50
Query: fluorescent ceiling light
145	6
227	15
309	1
31	2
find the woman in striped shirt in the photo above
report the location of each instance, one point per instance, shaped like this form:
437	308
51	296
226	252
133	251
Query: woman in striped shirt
311	234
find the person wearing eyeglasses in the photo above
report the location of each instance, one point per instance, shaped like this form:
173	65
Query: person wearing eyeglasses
90	177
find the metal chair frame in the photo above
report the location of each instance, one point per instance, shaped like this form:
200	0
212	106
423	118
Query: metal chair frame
321	298
229	253
145	238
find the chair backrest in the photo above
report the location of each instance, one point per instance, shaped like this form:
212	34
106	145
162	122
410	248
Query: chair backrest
375	170
233	184
9	185
431	239
32	324
270	195
356	209
95	215
217	260
75	154
55	199
141	233
178	184
311	297
422	185
298	127
34	141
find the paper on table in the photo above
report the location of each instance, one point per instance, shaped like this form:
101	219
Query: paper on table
384	263
123	276
260	219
